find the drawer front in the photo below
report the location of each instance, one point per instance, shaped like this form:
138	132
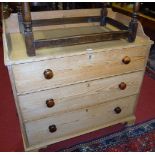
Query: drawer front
75	123
50	102
30	77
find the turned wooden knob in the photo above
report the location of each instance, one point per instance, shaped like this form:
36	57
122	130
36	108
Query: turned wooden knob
122	85
48	74
117	110
50	103
52	128
126	60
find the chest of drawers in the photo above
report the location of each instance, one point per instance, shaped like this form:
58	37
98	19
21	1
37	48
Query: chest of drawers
68	91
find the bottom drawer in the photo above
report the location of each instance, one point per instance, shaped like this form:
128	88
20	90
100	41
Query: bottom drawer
76	122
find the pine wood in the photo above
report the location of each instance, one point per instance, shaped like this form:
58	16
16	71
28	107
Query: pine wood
22	125
85	79
16	51
73	97
68	70
78	121
45	144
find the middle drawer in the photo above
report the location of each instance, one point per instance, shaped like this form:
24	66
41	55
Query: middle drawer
64	99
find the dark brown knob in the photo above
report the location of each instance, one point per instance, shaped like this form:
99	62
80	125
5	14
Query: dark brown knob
50	103
52	128
117	110
126	60
48	74
122	85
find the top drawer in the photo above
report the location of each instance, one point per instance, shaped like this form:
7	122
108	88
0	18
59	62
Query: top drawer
34	76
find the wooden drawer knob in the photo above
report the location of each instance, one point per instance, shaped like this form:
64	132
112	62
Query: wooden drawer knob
48	74
50	103
122	85
117	110
126	60
52	128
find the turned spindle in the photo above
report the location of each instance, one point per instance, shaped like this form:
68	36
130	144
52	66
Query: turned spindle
20	17
104	13
29	39
133	25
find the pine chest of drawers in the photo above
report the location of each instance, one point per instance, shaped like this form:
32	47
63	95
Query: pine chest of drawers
67	91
